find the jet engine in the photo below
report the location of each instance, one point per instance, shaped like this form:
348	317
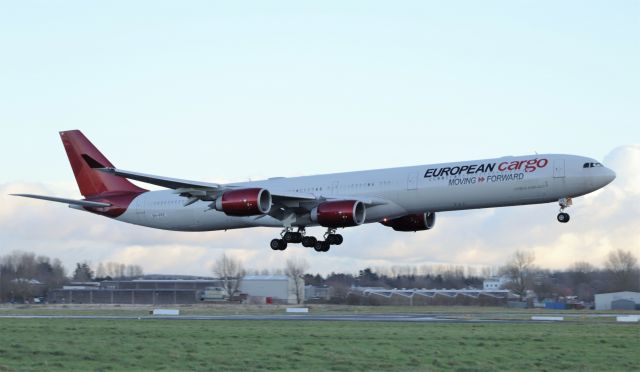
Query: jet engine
244	202
342	213
412	222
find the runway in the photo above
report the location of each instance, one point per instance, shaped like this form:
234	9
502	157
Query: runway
395	318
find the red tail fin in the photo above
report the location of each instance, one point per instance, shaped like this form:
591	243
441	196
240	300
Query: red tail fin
84	156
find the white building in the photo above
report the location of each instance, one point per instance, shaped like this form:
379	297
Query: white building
280	288
604	300
494	283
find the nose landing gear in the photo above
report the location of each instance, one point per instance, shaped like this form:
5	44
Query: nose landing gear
564	217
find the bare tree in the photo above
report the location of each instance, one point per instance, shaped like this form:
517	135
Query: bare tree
230	271
23	276
623	268
519	270
133	271
116	270
100	271
111	269
295	270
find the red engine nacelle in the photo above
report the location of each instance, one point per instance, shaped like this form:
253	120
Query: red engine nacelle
412	222
341	213
244	202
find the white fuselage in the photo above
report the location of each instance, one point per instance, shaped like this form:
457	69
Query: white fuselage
487	183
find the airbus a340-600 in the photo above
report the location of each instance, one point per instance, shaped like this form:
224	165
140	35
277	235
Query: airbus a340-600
404	199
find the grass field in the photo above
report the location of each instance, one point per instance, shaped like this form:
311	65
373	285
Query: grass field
59	344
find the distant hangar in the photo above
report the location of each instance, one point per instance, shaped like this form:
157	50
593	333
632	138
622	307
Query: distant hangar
277	289
618	301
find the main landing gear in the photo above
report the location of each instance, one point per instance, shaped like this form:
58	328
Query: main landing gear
330	238
564	203
288	236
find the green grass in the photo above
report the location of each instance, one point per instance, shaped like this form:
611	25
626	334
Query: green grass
59	344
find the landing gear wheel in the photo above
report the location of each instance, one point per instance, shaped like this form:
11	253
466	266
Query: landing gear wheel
292	237
335	239
332	238
322	246
564	204
563	217
309	241
325	246
278	245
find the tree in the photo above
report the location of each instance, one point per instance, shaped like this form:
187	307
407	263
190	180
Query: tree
519	269
295	270
23	276
622	267
100	271
582	267
367	278
581	277
133	271
230	271
116	270
83	272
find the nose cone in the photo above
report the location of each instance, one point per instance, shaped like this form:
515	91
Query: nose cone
609	176
604	177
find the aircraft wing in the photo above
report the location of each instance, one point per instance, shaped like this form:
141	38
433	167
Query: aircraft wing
170	183
82	203
287	204
196	190
285	197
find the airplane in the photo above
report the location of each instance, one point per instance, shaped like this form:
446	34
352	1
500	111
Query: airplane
405	199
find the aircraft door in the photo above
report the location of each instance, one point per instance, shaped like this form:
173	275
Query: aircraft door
412	180
558	168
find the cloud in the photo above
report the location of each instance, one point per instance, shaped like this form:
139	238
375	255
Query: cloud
601	221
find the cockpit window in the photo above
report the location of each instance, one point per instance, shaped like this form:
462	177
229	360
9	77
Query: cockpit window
591	165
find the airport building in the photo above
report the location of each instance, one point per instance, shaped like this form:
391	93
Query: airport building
317	293
134	292
255	289
618	301
271	289
495	282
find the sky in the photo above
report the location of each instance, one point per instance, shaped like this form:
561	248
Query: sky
232	91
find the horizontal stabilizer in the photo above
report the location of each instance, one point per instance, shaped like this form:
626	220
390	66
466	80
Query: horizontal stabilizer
82	203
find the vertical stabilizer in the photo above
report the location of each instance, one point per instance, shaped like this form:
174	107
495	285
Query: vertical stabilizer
84	156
